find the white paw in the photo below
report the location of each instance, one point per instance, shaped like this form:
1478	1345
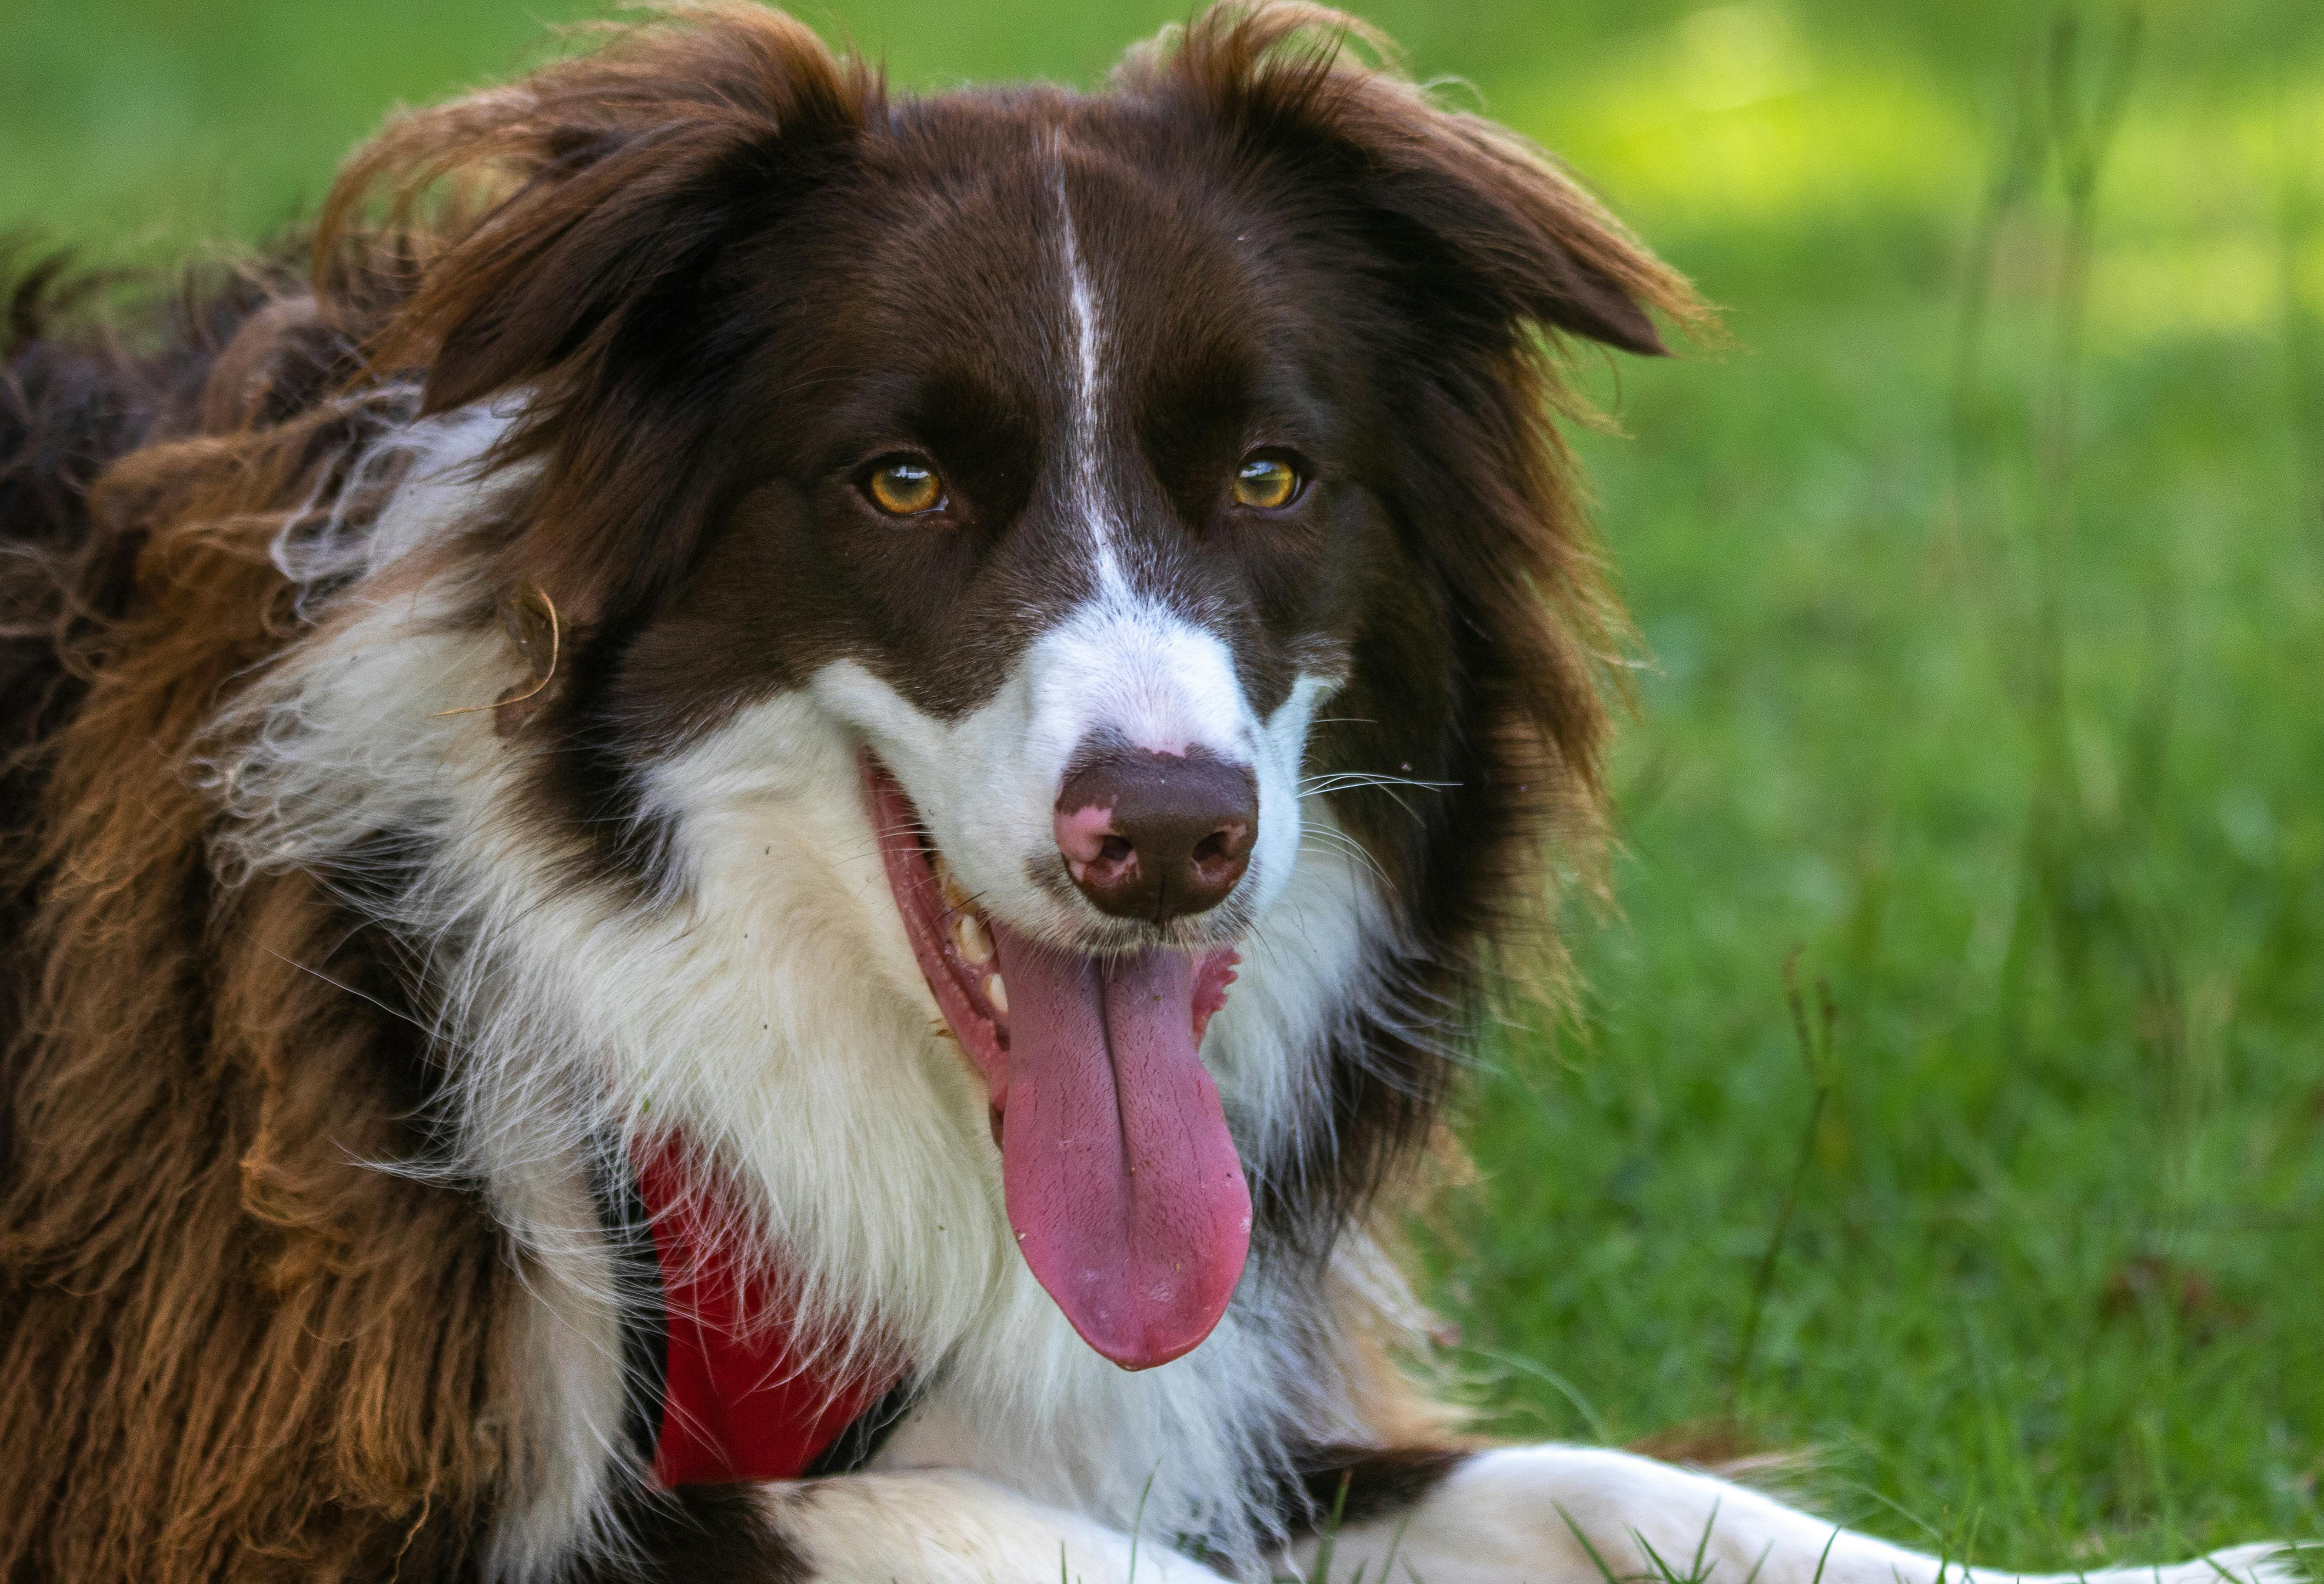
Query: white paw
943	1527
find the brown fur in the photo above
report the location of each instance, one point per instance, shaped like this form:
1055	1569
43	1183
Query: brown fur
226	1344
587	176
229	1346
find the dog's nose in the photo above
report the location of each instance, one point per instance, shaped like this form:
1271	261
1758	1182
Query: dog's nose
1156	835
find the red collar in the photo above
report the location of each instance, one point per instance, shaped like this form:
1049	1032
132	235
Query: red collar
741	1399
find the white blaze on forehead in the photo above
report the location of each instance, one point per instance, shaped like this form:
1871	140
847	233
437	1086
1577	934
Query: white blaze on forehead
1143	675
1088	396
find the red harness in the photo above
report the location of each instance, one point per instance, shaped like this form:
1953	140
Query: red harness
740	1399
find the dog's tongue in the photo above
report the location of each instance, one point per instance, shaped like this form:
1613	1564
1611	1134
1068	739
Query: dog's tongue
1122	1185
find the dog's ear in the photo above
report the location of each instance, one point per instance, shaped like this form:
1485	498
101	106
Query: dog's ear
1483	225
588	194
563	237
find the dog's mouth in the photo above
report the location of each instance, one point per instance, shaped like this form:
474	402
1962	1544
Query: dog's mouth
1121	1182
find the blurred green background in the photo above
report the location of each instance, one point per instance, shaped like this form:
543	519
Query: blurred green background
1979	589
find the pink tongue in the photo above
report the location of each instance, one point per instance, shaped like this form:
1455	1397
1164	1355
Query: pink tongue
1122	1185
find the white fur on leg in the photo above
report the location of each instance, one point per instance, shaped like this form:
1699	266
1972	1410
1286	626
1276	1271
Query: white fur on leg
945	1527
1503	1518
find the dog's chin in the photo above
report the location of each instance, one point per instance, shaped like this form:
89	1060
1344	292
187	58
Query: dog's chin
1122	1186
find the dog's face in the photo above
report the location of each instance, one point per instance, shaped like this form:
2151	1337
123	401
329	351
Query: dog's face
1065	509
1061	455
1062	479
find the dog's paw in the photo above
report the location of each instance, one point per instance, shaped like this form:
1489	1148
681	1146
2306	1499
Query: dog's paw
2268	1561
945	1527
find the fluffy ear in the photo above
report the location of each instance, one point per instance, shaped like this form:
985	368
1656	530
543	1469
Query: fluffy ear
1483	223
564	236
597	187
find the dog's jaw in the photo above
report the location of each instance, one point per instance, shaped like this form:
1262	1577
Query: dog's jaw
1123	1188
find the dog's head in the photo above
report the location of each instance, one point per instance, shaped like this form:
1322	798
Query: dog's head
1063	454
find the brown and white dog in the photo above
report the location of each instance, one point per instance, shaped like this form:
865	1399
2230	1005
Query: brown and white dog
758	854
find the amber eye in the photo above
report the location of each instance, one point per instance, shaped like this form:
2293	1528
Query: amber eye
1266	483
902	487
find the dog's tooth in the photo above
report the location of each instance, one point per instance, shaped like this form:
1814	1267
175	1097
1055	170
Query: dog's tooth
997	993
975	945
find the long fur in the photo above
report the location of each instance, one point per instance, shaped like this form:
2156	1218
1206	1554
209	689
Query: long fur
324	1001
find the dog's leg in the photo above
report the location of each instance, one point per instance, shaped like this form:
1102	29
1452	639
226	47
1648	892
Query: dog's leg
1536	1515
943	1527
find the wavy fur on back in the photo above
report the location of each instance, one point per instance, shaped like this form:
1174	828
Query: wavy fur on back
230	1338
231	1343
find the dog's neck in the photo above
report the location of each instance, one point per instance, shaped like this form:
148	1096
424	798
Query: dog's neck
742	1392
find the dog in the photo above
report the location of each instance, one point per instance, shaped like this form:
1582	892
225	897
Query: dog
750	829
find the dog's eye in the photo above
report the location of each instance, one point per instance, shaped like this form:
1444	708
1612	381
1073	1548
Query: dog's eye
902	487
1266	483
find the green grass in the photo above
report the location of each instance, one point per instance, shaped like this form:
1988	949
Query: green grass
1984	585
